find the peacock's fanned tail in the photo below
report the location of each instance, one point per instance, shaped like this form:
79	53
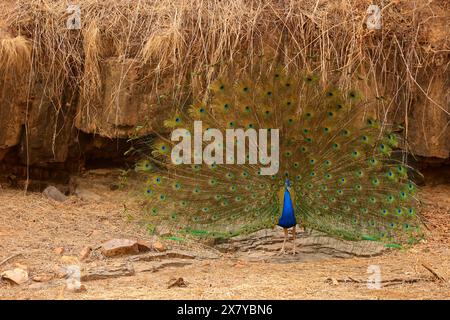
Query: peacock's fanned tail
339	164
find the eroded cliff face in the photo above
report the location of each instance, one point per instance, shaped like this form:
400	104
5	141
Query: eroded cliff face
62	128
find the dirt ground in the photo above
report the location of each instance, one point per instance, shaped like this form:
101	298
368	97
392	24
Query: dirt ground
32	226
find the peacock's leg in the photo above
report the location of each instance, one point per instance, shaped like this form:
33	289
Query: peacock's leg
294	234
284	242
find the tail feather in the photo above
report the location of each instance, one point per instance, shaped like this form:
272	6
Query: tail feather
339	162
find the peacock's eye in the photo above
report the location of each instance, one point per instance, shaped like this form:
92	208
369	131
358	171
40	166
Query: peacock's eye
288	84
222	87
269	93
329	94
245	89
177	119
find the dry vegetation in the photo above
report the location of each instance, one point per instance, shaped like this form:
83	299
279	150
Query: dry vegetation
188	43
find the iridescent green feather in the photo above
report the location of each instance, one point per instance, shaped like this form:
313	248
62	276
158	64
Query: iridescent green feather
339	163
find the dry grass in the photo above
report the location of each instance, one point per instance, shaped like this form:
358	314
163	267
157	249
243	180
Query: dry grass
15	55
192	41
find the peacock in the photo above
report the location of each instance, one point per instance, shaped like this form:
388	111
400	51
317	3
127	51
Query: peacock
336	169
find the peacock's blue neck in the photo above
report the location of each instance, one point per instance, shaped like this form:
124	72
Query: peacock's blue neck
287	219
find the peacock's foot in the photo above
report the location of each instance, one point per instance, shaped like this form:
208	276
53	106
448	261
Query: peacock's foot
294	252
281	252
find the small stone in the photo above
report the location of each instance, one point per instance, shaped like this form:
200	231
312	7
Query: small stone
60	272
144	246
85	253
177	283
17	275
52	192
117	247
158	246
43	277
59	250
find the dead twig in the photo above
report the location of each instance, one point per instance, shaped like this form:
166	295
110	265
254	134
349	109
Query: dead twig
437	276
9	258
385	283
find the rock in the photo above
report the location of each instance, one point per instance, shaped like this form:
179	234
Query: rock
158	246
117	247
70	260
157	256
176	263
60	272
144	246
177	283
108	271
42	277
85	253
17	276
52	192
86	195
59	250
121	97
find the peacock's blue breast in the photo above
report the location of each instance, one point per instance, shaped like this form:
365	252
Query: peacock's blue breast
287	219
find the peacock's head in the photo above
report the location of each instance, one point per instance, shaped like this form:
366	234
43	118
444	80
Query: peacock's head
287	183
